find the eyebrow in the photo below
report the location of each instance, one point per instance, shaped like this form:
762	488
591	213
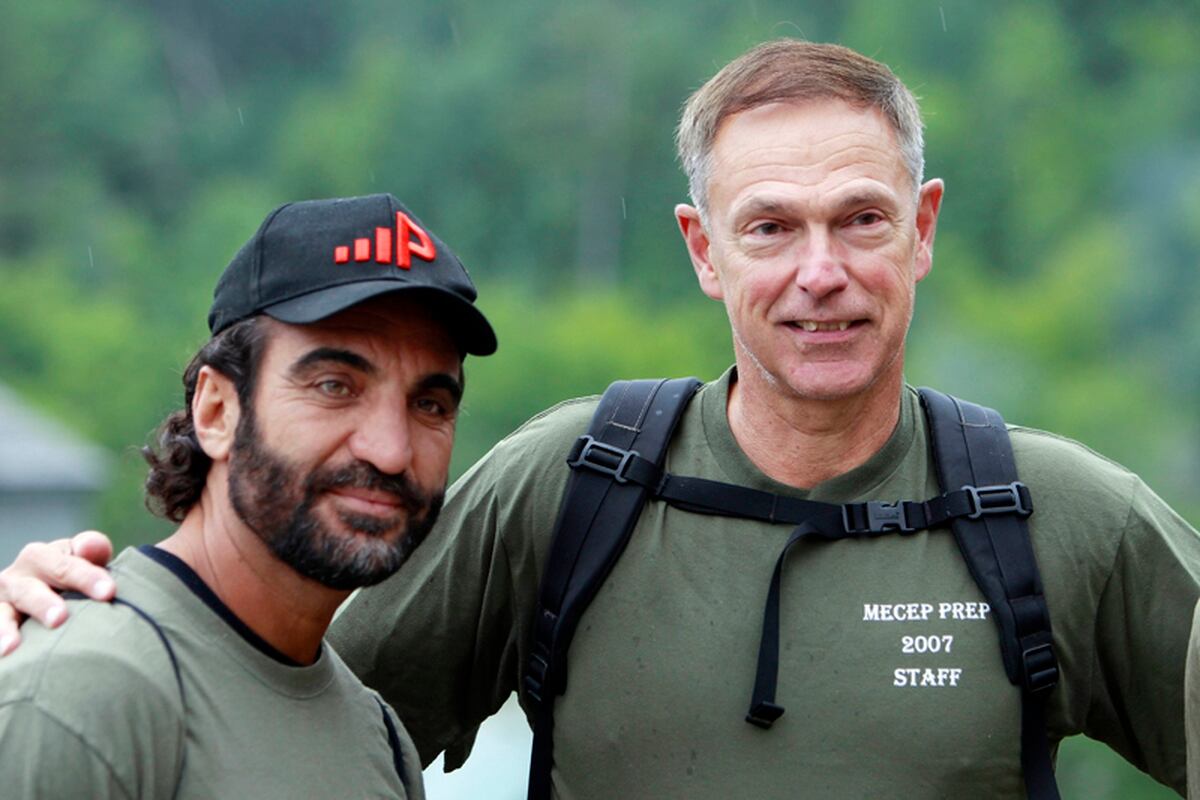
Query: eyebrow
443	380
322	355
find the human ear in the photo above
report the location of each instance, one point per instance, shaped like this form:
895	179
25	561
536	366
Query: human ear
696	239
929	203
215	413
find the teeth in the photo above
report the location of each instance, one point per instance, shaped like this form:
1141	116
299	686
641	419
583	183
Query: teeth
811	326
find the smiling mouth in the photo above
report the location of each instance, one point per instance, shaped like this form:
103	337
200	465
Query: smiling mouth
813	326
371	502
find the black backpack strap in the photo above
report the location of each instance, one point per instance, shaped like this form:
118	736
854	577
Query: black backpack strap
971	449
394	742
627	439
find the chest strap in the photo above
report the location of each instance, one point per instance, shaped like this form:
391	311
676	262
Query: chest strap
814	520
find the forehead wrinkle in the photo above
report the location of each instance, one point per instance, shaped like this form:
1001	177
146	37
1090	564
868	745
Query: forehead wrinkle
877	139
806	171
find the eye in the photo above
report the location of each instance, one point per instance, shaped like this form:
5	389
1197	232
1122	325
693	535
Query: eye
867	218
767	229
331	387
433	406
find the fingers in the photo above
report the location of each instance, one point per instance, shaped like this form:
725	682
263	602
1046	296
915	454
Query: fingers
28	584
31	597
60	565
92	546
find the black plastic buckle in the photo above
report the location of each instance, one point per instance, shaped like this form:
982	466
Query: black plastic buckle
1040	668
601	457
1012	498
880	517
764	714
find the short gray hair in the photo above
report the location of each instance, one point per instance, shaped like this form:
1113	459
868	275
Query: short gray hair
786	70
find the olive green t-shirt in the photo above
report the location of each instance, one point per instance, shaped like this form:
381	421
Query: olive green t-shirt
93	709
889	666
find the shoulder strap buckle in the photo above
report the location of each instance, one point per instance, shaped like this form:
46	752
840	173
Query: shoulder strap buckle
1010	498
877	517
604	458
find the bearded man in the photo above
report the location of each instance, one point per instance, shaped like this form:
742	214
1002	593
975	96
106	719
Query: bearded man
310	458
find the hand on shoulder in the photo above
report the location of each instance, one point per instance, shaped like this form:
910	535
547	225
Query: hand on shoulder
29	586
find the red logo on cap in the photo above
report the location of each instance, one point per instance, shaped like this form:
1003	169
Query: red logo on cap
405	246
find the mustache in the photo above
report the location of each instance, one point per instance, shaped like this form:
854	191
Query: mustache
361	475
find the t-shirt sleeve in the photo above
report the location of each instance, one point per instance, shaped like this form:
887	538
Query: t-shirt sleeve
441	639
1143	626
83	715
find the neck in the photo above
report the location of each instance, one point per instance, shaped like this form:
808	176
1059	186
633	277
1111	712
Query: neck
290	612
802	441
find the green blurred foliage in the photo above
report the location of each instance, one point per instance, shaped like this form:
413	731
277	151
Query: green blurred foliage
141	143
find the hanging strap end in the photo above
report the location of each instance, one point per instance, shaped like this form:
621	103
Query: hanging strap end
764	714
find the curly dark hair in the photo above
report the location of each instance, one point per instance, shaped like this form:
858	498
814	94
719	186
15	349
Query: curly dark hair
178	465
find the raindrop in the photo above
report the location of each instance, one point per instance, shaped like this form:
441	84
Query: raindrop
91	258
624	214
241	119
942	11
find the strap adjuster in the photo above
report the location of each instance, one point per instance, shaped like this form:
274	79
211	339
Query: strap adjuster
601	457
1040	668
1011	498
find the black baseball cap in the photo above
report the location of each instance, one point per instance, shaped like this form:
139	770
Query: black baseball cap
312	259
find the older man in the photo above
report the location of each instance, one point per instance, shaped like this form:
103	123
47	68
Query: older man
310	459
812	223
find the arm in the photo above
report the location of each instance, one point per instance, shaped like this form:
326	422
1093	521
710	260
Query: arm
27	585
1143	626
1121	572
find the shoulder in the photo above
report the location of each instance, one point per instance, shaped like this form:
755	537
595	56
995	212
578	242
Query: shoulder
550	434
533	455
105	654
1089	508
1062	464
102	683
553	428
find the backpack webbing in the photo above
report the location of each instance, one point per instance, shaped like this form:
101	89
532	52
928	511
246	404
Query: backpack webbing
971	448
594	522
617	466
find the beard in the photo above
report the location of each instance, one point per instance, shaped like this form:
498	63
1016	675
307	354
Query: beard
275	501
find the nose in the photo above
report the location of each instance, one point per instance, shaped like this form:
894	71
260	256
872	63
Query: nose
820	270
383	438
